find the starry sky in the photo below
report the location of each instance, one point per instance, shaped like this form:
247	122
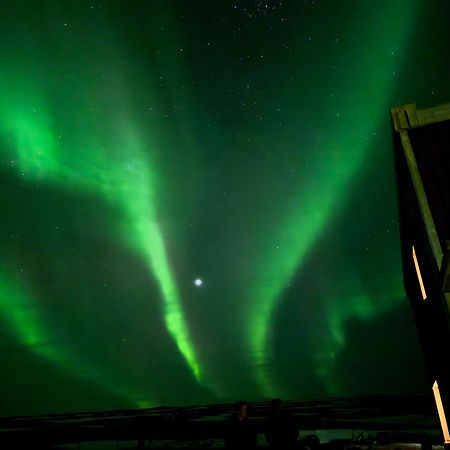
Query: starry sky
198	199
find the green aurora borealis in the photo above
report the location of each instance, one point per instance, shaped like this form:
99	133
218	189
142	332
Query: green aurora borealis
147	144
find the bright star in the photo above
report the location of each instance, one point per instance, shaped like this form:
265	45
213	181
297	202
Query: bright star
198	282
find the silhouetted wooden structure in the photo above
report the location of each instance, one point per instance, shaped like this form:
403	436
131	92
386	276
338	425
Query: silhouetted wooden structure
422	156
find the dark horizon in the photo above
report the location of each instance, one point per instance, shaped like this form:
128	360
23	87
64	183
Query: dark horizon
227	407
336	423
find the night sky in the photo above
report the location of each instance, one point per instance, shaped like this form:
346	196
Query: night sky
198	199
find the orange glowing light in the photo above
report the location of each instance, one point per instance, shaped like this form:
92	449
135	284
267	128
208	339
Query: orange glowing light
419	275
441	412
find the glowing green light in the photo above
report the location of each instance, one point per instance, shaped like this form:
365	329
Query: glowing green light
24	320
135	197
119	173
309	210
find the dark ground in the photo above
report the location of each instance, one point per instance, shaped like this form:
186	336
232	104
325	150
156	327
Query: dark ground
389	422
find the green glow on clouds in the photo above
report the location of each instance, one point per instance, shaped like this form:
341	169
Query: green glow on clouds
134	194
175	129
360	306
345	144
20	313
122	175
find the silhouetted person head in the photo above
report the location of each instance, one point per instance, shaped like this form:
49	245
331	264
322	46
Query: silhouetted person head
240	431
281	430
310	442
241	409
276	406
